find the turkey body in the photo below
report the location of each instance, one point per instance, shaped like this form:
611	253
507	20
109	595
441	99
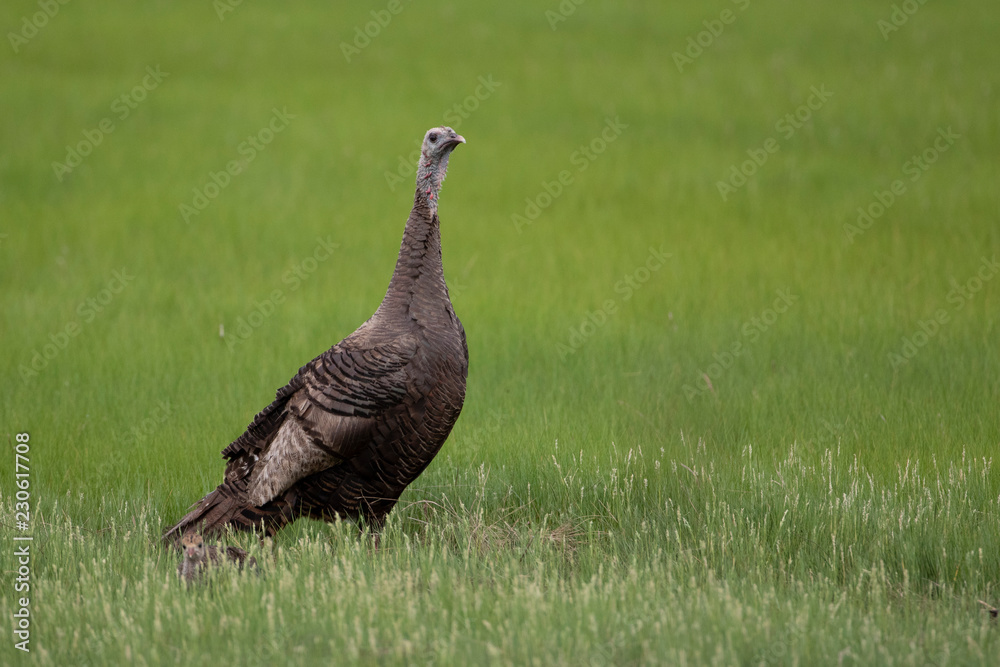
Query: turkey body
356	425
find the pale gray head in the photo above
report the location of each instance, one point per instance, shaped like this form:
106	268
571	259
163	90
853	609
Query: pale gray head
438	144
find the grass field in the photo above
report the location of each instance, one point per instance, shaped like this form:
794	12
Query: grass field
711	418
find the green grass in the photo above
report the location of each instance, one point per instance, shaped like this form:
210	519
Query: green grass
812	503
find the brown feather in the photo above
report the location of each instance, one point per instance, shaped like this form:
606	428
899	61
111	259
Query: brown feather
361	421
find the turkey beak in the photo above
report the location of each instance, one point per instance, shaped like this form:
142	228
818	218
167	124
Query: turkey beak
454	141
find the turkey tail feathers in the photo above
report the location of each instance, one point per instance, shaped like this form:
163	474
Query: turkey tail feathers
227	507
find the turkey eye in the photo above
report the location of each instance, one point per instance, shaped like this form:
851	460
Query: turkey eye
433	138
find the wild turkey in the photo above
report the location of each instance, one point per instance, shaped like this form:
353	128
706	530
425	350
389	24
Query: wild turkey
198	556
360	422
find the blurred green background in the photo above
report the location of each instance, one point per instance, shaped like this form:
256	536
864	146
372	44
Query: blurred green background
820	374
139	402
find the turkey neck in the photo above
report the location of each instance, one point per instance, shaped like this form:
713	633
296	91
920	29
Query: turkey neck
417	286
